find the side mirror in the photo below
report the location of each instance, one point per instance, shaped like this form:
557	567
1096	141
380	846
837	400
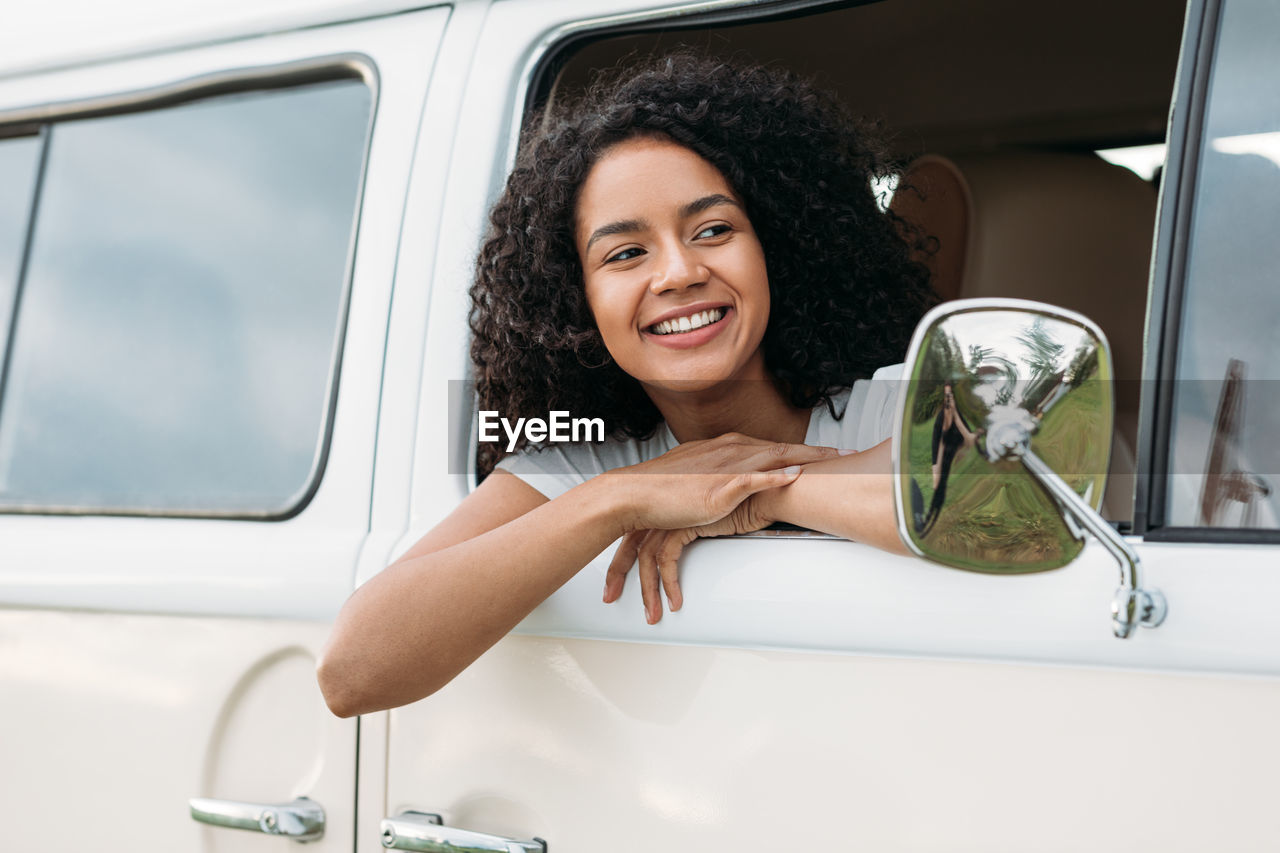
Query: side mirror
1002	442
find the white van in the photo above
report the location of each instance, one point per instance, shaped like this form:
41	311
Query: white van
235	246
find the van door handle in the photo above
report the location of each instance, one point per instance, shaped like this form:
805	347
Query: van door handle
425	833
301	820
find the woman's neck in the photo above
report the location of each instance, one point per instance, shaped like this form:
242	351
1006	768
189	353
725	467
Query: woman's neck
754	407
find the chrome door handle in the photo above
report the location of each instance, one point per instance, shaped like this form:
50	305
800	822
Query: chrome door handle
301	820
425	833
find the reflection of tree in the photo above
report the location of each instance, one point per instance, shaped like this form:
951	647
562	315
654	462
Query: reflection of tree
1043	351
978	356
1042	348
1083	364
944	361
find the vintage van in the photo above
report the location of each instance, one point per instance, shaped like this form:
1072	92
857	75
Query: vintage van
235	245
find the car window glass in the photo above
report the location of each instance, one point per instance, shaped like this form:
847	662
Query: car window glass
19	158
178	321
1224	454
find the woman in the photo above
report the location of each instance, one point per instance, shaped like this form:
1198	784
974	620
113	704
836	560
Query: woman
950	434
692	253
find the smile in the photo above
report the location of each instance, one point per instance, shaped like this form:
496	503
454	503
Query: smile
680	325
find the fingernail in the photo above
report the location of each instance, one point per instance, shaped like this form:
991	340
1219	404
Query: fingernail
791	470
846	452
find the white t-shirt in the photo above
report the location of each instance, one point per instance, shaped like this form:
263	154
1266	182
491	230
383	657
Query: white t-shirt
868	411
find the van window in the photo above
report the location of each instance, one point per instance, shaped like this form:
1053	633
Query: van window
1038	214
1224	455
19	158
177	328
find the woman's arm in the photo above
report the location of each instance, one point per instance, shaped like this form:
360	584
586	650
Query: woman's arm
506	548
848	496
423	619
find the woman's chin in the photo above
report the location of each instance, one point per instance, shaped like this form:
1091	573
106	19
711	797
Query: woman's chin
684	385
701	375
700	383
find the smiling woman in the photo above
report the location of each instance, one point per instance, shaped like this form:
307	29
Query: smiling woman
694	254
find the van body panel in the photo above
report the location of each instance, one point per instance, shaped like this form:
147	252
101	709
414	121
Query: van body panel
80	32
118	719
622	745
148	660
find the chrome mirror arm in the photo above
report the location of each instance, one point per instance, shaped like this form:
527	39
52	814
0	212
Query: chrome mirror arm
1132	605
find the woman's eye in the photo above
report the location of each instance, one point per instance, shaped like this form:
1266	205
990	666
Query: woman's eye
625	255
712	231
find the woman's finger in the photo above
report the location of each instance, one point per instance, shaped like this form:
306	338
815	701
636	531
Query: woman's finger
668	559
781	455
648	564
733	492
623	559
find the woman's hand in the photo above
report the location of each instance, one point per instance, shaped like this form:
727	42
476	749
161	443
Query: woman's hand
658	554
701	482
717	487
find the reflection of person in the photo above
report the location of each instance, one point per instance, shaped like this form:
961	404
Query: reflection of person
695	255
950	433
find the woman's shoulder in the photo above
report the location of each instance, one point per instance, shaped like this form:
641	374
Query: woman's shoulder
864	413
555	468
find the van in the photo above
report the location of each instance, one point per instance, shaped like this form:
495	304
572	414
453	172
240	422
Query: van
235	247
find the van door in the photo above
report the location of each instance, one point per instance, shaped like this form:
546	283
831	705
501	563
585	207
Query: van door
815	693
196	256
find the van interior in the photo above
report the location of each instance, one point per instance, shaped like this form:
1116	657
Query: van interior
997	110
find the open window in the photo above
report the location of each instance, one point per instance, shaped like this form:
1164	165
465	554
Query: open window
997	115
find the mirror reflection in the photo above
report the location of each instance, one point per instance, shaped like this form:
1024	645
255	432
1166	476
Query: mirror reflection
981	381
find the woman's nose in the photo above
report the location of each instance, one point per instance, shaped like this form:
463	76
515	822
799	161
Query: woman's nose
680	268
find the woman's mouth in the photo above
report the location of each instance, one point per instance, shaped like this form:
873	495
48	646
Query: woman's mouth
691	330
693	322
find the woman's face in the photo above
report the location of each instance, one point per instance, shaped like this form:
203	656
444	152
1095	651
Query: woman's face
674	273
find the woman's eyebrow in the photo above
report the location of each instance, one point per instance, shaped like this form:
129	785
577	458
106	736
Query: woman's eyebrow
622	226
707	201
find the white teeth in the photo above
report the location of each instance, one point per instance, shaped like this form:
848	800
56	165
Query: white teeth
688	323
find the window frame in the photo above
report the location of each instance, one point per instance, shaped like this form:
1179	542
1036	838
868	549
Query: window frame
41	133
265	78
1168	285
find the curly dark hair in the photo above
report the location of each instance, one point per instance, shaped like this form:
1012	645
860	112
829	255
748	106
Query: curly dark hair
844	287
